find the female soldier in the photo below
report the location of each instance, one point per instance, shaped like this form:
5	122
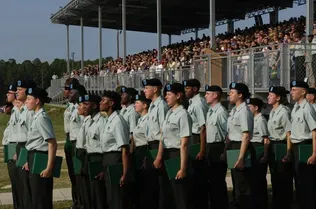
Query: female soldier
115	147
40	139
141	147
240	128
176	133
260	140
279	127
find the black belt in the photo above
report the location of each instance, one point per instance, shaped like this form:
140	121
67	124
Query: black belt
155	142
21	143
37	151
12	142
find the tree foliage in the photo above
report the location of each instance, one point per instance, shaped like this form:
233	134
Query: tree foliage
40	72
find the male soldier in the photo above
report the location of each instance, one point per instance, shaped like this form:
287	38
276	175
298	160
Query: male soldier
311	97
156	116
197	110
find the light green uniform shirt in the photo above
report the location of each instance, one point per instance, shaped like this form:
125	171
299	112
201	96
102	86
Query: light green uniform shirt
75	122
156	116
81	137
240	121
197	110
10	133
130	116
24	123
216	124
303	122
94	128
279	123
260	129
40	131
115	133
314	106
140	131
178	124
67	115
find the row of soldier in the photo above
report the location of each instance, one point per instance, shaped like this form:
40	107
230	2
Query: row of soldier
135	124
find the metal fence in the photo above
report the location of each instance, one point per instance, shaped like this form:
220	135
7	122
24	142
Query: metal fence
258	67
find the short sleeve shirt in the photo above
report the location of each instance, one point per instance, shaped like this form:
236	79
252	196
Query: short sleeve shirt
303	122
94	128
240	121
115	133
139	133
178	124
40	131
216	124
81	136
279	123
260	129
130	116
13	122
67	115
75	122
197	110
24	123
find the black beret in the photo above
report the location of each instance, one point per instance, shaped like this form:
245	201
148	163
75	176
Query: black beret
90	98
151	82
174	88
12	87
80	88
142	98
213	88
39	93
278	90
26	84
299	84
241	88
311	91
73	81
255	101
111	95
192	83
129	91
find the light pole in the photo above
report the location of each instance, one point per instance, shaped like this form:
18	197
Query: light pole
73	59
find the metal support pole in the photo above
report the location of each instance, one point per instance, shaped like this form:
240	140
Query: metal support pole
159	29
68	51
212	24
82	44
124	30
100	37
170	41
118	44
196	33
309	17
230	26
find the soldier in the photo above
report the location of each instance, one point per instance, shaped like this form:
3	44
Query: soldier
94	151
260	140
216	132
115	146
10	137
156	116
197	110
279	126
311	97
139	150
68	146
240	129
303	132
176	134
81	152
25	119
41	139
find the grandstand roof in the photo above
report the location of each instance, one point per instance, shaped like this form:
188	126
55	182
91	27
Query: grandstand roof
177	15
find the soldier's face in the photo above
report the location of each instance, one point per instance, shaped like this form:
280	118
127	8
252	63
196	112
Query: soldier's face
273	98
105	104
297	93
81	109
88	108
252	108
124	98
172	98
31	102
73	95
210	97
66	92
149	92
310	98
20	94
139	106
11	96
189	92
233	96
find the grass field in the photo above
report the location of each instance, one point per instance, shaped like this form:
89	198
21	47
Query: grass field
57	205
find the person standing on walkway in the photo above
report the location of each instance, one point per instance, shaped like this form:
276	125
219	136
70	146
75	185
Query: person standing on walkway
260	142
156	115
197	110
174	143
40	139
279	127
240	129
115	146
10	137
25	119
216	132
303	132
68	146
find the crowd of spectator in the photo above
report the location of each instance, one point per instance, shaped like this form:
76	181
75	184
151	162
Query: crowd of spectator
177	55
